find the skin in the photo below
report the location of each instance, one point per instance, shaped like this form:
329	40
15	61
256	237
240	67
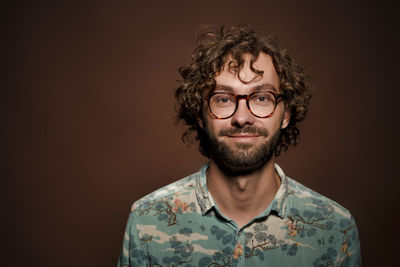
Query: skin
241	198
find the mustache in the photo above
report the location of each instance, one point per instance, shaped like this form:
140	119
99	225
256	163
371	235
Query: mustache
249	130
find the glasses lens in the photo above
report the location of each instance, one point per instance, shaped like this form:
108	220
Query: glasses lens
222	105
262	104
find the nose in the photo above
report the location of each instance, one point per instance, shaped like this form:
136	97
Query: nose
242	116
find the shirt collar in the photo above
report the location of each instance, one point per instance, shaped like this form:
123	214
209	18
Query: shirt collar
204	198
206	202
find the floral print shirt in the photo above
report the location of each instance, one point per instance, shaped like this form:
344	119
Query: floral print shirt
180	225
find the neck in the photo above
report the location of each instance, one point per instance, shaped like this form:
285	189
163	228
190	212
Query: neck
243	197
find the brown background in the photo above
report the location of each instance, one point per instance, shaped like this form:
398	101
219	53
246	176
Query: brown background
86	107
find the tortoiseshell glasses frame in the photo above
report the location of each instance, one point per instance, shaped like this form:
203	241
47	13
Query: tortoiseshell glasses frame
267	102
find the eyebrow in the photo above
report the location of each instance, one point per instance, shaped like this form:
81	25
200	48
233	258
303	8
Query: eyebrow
261	87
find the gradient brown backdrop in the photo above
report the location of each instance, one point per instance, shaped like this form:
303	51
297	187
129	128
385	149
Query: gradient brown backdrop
87	103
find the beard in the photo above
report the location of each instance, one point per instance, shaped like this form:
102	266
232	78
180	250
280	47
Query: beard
242	158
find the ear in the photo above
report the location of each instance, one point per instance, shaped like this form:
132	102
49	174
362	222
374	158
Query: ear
201	116
200	121
286	119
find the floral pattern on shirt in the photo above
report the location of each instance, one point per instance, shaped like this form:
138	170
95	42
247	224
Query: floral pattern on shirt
180	225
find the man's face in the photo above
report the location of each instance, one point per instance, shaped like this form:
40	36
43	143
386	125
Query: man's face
243	143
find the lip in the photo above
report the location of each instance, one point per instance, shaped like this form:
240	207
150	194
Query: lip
243	137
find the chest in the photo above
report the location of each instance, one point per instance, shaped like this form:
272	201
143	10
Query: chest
209	241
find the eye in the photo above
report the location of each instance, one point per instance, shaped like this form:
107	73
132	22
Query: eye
262	99
222	99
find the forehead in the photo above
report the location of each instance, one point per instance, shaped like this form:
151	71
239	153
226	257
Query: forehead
246	79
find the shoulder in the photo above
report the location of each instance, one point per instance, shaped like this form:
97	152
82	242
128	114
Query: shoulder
182	187
309	203
323	223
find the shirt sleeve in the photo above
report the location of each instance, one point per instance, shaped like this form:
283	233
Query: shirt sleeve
349	252
132	253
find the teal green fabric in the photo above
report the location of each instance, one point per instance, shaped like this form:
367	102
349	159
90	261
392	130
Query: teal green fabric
180	225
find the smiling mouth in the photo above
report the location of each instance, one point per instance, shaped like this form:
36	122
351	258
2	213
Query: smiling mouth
243	137
248	132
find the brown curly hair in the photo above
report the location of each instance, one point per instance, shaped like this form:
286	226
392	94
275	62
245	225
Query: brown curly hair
208	60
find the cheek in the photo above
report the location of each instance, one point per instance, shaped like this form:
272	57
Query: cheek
277	123
214	126
278	118
272	124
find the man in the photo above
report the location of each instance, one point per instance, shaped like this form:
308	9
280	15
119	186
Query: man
242	95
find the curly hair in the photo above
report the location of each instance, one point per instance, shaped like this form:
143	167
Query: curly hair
208	59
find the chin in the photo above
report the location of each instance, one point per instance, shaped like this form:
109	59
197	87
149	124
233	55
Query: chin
241	159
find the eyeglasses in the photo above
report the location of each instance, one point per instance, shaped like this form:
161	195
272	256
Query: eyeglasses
261	104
